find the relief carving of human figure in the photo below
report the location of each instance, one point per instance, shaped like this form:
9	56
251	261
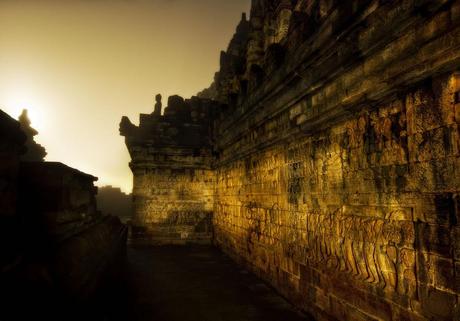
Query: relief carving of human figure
373	228
388	255
349	250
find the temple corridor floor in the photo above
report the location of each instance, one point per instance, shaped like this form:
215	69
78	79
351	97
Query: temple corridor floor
197	283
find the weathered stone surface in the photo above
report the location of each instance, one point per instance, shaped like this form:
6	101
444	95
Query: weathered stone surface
55	200
350	169
173	189
173	205
335	156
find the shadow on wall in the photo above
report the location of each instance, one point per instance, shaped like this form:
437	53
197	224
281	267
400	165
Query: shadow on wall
111	200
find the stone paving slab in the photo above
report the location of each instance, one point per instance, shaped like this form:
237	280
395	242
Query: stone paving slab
198	283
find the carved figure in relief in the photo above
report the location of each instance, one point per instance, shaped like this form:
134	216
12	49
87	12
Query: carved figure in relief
358	244
328	240
368	248
372	263
340	243
387	259
407	278
274	219
373	249
322	239
356	130
349	250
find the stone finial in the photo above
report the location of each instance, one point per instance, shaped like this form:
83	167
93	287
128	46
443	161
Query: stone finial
158	105
35	152
25	124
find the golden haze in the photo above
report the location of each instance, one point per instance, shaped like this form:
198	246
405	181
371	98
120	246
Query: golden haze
79	65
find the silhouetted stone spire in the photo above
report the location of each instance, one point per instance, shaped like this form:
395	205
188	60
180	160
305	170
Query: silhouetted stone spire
35	152
158	105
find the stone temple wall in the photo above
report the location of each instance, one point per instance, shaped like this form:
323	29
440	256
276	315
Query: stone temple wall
335	148
57	252
173	186
173	205
338	174
359	220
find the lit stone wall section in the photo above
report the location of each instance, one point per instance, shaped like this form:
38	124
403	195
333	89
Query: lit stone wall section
337	178
360	219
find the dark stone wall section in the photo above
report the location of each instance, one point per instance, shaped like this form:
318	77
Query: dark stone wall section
57	250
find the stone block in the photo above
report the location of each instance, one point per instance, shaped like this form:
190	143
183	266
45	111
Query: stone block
456	242
434	239
436	304
456	286
444	273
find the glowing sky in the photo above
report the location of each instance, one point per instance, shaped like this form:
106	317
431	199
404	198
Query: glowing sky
78	66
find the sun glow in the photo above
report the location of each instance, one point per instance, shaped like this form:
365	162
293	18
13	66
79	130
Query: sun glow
16	101
79	66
